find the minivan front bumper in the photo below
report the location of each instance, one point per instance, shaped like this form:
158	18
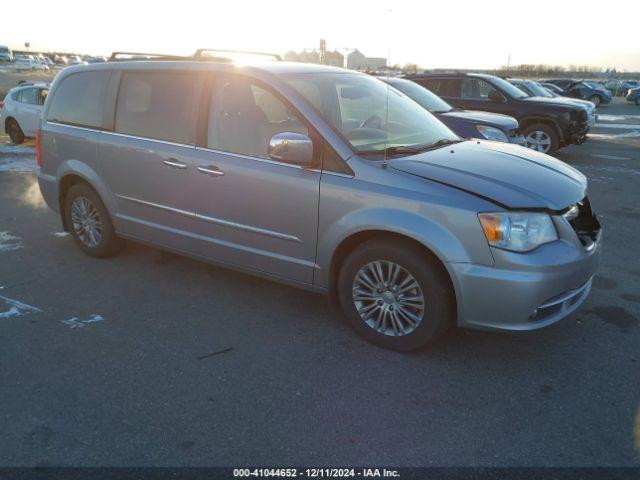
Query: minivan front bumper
528	291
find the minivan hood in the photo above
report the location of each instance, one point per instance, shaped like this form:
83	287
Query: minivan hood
493	119
510	175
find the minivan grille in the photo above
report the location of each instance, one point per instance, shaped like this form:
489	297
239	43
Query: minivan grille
584	223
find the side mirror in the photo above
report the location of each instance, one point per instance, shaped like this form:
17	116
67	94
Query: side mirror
294	148
495	96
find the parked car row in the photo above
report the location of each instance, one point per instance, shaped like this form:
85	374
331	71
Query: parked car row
330	180
545	123
582	90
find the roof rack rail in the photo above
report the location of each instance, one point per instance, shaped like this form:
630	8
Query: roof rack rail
200	51
201	54
144	56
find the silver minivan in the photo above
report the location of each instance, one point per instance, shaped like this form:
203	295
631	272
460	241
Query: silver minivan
322	178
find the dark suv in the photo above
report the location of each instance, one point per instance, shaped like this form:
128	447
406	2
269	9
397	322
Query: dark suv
545	123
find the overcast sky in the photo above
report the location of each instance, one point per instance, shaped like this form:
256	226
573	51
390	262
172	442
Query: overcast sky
453	33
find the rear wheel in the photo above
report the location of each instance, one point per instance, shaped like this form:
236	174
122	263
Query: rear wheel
89	222
595	99
540	137
15	132
395	296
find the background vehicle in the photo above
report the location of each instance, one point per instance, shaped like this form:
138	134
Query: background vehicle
29	62
621	87
582	90
76	60
323	178
60	60
545	124
6	55
633	95
20	111
535	89
467	124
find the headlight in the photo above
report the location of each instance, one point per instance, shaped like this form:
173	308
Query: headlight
491	133
518	231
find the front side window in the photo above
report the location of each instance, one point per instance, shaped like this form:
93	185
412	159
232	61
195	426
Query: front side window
79	98
372	116
476	89
244	116
159	106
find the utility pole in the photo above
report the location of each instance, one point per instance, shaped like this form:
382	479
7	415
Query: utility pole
323	51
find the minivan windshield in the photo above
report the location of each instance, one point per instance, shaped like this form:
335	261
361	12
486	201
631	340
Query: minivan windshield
373	117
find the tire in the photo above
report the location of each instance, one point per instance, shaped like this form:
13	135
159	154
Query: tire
379	324
595	99
541	137
638	100
15	132
107	243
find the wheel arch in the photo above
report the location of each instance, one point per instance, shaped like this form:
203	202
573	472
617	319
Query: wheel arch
73	172
351	242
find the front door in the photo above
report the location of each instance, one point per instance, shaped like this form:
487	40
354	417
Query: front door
255	213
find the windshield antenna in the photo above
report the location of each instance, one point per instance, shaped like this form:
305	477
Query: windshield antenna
386	120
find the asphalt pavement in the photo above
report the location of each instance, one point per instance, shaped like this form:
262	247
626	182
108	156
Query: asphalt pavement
154	359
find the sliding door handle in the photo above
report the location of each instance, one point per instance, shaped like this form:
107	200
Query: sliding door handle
174	163
211	170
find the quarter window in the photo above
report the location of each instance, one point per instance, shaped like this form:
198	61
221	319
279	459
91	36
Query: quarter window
159	105
78	100
244	116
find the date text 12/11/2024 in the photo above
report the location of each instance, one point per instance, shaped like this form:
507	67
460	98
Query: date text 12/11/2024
316	472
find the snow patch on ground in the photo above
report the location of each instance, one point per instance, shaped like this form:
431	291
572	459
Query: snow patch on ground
617	118
18	164
9	242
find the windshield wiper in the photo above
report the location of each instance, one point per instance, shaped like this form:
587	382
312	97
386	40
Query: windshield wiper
410	149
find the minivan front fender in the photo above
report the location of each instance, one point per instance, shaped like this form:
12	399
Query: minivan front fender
442	242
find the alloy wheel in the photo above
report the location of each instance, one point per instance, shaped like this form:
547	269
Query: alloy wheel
538	140
86	222
388	298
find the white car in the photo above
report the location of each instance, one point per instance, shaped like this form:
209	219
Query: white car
29	63
76	60
20	111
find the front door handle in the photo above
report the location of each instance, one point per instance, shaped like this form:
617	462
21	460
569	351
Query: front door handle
211	170
174	163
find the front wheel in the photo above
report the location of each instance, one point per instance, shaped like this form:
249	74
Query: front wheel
89	222
395	295
540	137
595	99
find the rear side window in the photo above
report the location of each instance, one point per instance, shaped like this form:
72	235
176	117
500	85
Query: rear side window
159	106
29	95
79	99
436	85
